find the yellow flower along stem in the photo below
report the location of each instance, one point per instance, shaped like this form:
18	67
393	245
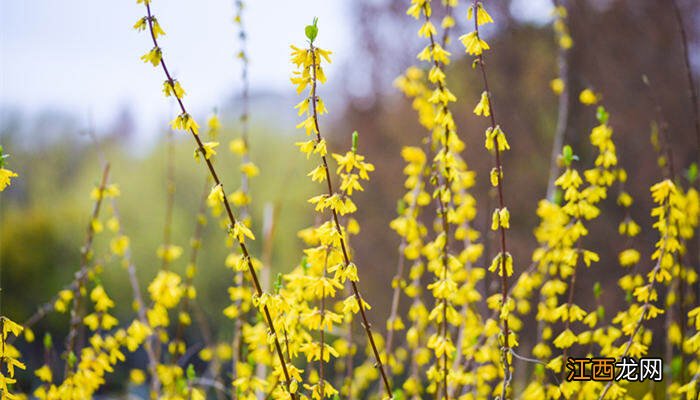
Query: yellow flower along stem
241	197
560	87
184	318
448	171
86	254
236	228
309	73
9	357
495	142
6	174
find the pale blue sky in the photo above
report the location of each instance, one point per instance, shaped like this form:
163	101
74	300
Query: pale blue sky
82	56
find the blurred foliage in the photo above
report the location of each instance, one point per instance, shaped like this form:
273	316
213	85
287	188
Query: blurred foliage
46	211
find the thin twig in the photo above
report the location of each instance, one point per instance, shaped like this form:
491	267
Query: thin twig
501	204
229	211
346	256
82	273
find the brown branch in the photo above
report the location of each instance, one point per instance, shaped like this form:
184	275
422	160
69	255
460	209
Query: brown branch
693	93
346	257
562	116
81	274
229	212
501	203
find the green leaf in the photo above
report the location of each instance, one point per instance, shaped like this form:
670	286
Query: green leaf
190	372
692	173
596	290
278	282
312	30
558	196
72	359
567	155
398	394
48	341
400	206
676	365
602	115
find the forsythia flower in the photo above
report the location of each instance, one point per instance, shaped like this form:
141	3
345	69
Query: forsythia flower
5	175
153	56
473	44
217	194
587	97
483	107
186	123
173	88
557	86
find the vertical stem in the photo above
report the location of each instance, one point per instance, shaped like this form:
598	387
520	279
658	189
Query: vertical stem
562	116
229	213
346	257
693	93
170	198
501	203
81	275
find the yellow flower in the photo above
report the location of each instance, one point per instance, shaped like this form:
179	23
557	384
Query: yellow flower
153	56
165	288
216	195
483	107
173	88
565	339
628	257
10	326
482	17
119	245
557	86
237	146
427	30
587	97
44	374
137	376
5	175
169	252
240	232
185	122
498	260
208	150
473	44
250	169
157	30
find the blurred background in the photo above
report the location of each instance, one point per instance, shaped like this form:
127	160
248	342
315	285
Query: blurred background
72	67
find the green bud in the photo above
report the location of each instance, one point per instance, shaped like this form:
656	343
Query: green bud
312	30
398	394
596	290
278	283
72	359
602	115
400	206
539	369
355	138
676	364
567	155
601	312
692	173
181	384
558	196
190	372
48	341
